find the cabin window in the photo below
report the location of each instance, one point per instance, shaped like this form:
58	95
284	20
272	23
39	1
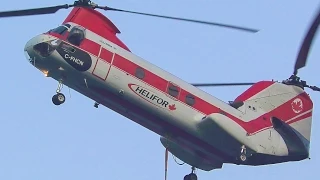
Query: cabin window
190	100
140	73
173	90
76	35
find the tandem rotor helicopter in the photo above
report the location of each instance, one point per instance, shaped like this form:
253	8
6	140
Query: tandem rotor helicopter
267	124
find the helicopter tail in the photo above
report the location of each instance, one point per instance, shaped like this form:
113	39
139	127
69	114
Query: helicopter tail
289	109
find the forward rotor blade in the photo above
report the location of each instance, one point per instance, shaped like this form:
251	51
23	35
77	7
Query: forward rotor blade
222	84
182	19
36	11
307	42
315	88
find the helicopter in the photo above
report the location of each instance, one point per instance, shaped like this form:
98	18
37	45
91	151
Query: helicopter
267	124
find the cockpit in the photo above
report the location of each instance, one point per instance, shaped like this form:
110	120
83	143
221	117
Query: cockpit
44	45
39	49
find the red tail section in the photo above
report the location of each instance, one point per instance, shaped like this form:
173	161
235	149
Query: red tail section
290	104
95	22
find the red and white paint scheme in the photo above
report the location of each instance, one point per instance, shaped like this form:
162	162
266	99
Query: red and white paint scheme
269	123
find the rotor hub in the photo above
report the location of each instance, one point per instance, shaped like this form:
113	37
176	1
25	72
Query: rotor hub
84	3
296	81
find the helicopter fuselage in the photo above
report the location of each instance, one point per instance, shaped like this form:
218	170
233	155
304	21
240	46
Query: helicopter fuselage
191	120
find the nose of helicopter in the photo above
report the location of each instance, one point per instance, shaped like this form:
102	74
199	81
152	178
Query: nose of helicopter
39	45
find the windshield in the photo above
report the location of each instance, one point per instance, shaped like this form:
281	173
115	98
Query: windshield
60	30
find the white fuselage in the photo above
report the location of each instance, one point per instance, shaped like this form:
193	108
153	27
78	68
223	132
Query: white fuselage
144	96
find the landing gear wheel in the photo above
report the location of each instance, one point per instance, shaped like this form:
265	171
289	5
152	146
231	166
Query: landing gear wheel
243	157
191	176
58	99
243	154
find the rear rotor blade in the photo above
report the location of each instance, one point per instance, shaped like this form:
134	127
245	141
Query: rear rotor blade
305	47
221	84
36	11
181	19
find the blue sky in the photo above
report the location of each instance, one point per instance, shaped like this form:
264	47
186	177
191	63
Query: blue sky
76	141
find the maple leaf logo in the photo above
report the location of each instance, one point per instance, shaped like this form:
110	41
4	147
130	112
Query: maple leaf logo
297	105
172	107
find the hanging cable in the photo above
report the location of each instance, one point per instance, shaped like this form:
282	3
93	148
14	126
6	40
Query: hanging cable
69	93
166	164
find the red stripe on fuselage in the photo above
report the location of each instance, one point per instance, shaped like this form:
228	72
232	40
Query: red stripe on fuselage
127	66
90	46
155	81
130	68
307	115
106	55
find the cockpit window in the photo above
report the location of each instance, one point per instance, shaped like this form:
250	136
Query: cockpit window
60	30
76	35
67	25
